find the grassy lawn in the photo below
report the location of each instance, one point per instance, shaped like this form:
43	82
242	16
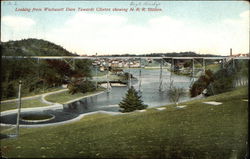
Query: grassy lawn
64	97
25	104
197	131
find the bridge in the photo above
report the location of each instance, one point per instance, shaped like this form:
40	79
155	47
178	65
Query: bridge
223	59
124	57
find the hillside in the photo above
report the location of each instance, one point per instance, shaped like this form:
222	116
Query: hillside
197	131
36	76
33	47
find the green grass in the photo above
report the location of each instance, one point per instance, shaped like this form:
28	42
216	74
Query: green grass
197	131
64	97
213	67
25	104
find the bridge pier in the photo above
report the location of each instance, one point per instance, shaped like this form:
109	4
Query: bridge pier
129	75
96	85
223	63
160	86
108	84
38	62
74	64
204	66
192	76
233	63
171	69
71	62
96	76
140	77
193	68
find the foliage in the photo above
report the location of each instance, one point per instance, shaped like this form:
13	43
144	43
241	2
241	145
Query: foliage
36	74
132	101
223	82
83	68
126	76
33	47
15	70
225	78
174	93
10	90
242	68
187	64
82	86
202	83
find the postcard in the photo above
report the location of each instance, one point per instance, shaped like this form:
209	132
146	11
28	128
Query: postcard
124	79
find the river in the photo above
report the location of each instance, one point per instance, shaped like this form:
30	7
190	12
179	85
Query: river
108	101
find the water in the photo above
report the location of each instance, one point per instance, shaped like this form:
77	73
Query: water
109	101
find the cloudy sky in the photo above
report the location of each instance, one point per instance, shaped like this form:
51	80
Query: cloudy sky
202	27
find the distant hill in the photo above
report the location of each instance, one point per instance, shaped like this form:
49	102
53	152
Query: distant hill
181	54
33	47
173	54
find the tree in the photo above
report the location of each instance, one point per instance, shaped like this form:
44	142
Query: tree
202	83
132	101
11	90
223	82
82	86
174	94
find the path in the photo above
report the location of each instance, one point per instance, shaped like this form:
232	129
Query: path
37	96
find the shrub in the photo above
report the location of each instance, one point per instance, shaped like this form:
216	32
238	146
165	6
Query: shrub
81	86
175	93
11	92
223	82
202	83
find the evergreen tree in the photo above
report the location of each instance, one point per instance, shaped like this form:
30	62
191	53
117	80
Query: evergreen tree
132	101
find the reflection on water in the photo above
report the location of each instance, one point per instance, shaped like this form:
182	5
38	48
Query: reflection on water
150	92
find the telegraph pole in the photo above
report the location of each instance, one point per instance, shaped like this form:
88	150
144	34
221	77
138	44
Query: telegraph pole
19	108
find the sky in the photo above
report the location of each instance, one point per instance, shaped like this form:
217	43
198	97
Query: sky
205	27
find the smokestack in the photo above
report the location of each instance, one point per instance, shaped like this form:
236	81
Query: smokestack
231	52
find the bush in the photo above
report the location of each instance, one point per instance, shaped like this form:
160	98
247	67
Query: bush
81	86
223	82
202	83
10	92
132	101
175	93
